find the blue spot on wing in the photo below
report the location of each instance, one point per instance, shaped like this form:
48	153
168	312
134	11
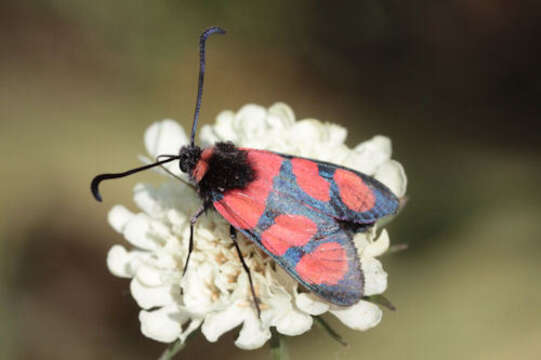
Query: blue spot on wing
293	255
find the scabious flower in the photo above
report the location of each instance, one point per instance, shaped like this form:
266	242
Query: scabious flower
214	294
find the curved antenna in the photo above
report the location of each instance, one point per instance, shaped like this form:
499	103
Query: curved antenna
202	40
94	185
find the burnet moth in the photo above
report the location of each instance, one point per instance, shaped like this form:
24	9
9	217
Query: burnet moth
303	213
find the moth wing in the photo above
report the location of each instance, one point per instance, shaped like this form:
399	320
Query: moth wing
339	192
310	245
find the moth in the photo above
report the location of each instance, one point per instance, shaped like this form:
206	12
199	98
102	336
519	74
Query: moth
302	212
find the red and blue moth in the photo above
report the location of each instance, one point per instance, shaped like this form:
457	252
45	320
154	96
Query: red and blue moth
302	212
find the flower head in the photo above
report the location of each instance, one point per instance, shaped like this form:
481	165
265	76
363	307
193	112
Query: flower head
214	294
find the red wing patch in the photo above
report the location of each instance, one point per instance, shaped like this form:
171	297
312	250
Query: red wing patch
307	176
326	265
234	204
249	203
288	231
202	165
353	191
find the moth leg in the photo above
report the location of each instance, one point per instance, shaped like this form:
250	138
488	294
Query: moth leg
193	220
233	234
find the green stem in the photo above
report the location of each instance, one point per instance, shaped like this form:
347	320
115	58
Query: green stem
380	300
332	333
396	248
172	350
278	346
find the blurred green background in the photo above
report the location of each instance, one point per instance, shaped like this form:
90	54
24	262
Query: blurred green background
455	84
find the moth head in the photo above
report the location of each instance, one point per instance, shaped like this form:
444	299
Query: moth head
188	157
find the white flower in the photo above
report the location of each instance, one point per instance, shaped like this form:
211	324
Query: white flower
214	294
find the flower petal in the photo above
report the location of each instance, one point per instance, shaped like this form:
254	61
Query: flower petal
136	231
336	135
252	335
374	275
165	137
310	305
163	325
149	276
368	156
152	296
118	217
308	131
196	287
392	174
377	247
146	199
379	144
218	323
294	323
281	116
361	316
250	121
121	263
222	130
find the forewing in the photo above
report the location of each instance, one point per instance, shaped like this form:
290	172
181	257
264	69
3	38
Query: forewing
309	244
339	192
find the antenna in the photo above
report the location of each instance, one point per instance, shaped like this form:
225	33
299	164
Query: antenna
94	185
202	40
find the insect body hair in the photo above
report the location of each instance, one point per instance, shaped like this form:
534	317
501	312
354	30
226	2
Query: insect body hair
228	168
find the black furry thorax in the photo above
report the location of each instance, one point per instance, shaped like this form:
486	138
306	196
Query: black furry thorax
216	169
